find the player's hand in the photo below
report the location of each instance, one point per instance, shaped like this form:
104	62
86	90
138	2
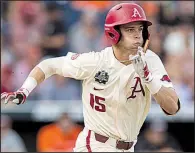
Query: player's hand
140	65
18	97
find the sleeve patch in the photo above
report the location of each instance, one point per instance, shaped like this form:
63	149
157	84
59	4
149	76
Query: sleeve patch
166	78
73	57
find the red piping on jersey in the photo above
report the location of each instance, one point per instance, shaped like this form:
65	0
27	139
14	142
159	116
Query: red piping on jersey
88	141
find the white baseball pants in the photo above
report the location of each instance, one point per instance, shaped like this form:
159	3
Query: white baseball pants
86	142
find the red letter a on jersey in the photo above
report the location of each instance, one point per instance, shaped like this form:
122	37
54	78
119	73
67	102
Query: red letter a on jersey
138	81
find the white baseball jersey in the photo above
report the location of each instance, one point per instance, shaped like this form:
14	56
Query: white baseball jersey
116	104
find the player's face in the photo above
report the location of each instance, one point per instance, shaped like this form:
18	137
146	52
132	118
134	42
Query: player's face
131	35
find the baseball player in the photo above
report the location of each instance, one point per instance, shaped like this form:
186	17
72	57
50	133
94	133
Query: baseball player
118	83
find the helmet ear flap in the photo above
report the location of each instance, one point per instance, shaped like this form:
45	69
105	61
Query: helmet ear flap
112	34
117	28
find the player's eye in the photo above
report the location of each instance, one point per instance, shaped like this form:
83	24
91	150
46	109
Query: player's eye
130	30
141	29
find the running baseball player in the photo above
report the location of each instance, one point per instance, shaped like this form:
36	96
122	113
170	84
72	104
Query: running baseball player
118	83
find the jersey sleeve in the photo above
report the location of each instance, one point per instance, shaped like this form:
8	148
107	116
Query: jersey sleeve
157	69
80	66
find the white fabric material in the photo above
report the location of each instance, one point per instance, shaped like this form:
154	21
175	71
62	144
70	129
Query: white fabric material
52	66
29	84
154	86
96	146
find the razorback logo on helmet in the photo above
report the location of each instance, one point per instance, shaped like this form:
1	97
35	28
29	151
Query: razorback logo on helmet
135	13
166	78
73	57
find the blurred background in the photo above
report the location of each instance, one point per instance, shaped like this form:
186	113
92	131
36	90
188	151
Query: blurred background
51	119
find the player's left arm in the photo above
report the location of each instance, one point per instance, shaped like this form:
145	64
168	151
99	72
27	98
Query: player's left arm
152	72
165	96
168	100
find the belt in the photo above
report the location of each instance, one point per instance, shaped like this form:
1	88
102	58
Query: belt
119	144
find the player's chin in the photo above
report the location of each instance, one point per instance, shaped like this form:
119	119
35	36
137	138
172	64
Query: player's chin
134	48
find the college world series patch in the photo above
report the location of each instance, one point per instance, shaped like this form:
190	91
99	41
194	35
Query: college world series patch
102	77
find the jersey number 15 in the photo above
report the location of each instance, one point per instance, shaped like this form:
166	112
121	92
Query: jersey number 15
96	104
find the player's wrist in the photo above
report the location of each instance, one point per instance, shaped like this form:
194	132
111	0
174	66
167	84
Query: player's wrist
154	85
24	91
29	84
148	78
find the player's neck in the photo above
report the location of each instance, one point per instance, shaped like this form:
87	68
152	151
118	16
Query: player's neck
122	55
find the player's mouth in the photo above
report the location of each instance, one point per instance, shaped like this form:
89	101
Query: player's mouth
137	44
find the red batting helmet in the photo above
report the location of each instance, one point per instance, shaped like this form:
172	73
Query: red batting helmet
121	14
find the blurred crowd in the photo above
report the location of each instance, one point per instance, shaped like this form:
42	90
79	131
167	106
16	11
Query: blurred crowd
58	136
11	141
156	138
35	30
61	135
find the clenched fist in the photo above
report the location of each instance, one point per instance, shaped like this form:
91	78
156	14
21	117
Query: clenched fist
140	65
18	97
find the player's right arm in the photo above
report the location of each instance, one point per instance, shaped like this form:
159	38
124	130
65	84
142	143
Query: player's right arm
68	66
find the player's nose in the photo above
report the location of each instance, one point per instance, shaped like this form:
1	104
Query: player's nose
137	34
